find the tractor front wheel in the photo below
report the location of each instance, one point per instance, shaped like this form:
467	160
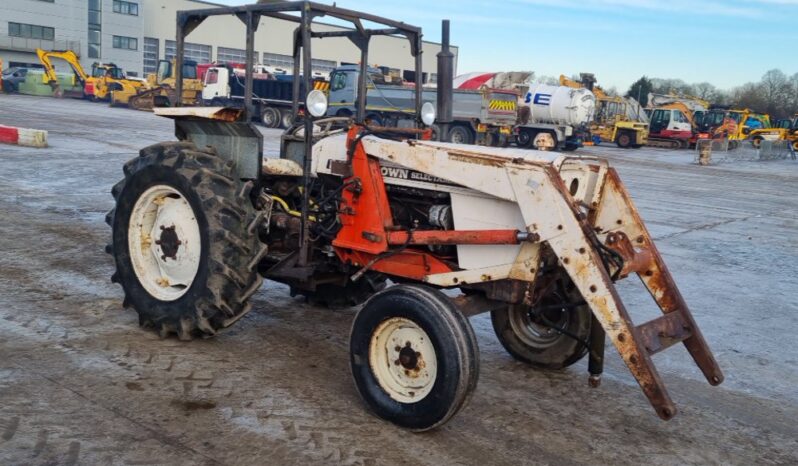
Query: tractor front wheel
184	240
414	356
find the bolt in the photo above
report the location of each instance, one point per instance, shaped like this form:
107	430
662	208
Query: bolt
633	359
559	227
593	288
397	362
621	337
582	250
397	348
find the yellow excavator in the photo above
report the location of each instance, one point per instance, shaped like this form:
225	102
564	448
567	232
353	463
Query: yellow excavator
736	125
97	86
50	76
616	120
160	88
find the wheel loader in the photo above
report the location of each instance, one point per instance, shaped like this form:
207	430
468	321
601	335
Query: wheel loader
536	239
160	88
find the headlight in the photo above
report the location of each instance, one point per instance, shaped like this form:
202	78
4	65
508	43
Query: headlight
316	103
428	113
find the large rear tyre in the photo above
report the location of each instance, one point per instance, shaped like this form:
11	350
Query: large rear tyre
414	357
184	240
538	336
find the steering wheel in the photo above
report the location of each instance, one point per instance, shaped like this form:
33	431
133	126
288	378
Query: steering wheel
322	128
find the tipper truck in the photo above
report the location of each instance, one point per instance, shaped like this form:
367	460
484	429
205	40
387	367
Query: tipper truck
224	86
555	117
484	116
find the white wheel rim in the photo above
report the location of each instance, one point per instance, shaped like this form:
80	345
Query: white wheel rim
164	242
403	360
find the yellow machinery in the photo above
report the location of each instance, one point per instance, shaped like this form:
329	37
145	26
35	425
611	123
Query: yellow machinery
97	86
783	130
734	124
616	120
159	90
49	70
104	78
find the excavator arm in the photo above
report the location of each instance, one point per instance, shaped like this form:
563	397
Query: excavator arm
49	70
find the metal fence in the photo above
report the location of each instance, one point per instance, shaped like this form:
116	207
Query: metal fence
715	151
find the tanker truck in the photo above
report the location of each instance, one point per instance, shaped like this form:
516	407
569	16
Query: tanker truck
554	117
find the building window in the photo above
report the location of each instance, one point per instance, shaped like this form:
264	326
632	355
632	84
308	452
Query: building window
128	43
30	31
275	59
48	1
196	52
151	51
224	55
95	28
126	8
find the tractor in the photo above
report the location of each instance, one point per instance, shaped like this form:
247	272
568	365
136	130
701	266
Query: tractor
421	233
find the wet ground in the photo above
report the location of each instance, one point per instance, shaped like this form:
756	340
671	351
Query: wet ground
81	383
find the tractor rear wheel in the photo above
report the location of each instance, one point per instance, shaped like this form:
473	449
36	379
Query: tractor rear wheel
184	240
550	336
414	356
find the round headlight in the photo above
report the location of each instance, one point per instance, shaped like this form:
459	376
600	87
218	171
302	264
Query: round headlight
316	103
428	113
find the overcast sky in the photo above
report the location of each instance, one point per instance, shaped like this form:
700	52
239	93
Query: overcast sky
725	42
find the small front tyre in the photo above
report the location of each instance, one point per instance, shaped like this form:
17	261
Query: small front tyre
414	357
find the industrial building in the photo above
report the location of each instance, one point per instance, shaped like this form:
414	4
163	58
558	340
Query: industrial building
136	34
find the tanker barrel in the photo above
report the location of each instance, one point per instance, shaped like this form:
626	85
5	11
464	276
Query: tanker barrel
445	84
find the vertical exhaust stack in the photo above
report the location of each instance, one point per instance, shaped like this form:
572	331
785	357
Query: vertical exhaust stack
445	84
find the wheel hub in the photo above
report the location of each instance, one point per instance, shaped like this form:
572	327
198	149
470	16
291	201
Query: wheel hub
403	360
532	326
169	243
167	266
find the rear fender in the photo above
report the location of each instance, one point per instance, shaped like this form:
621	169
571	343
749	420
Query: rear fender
224	129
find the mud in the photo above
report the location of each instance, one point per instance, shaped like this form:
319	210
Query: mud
81	383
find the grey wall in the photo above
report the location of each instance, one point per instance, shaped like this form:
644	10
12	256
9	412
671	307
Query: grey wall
70	20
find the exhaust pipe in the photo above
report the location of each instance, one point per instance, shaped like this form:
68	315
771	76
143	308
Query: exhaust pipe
445	84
